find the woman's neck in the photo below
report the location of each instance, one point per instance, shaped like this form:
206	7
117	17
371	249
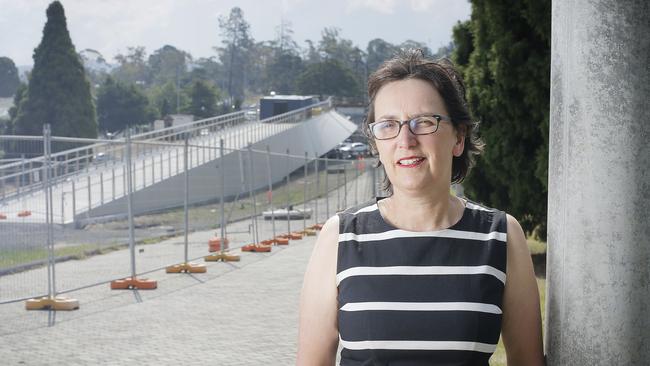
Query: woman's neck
427	212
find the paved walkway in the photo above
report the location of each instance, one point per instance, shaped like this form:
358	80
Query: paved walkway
238	313
241	313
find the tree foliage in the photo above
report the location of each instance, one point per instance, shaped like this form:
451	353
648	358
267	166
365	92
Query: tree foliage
504	51
329	77
204	99
379	51
133	67
120	105
168	99
237	45
58	91
168	64
9	80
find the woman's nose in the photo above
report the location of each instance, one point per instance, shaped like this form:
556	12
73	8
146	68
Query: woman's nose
406	138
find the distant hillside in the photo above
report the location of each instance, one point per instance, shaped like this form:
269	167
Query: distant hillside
94	61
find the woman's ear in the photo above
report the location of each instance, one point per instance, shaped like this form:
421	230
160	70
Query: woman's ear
459	147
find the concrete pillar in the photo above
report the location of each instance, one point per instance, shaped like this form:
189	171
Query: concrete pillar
598	273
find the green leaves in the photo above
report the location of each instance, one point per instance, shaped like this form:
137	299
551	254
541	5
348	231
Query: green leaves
507	70
120	105
9	80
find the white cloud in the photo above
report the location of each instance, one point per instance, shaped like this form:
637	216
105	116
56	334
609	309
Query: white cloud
421	5
380	6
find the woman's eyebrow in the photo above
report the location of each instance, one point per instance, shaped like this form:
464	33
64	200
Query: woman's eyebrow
410	116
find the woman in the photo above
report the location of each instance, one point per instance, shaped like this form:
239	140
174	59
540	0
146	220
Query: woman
420	277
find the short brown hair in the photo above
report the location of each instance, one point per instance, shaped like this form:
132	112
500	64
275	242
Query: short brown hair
442	75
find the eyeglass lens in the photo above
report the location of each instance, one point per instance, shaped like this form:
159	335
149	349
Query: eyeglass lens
390	128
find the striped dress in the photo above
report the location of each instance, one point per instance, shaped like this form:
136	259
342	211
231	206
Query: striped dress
420	298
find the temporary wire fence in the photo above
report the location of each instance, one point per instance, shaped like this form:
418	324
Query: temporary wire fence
245	194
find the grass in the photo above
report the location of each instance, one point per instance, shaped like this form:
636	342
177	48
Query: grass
10	258
536	246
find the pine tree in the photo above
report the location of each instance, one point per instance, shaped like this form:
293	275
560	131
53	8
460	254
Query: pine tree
58	91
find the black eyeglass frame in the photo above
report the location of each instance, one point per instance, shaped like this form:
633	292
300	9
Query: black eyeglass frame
401	123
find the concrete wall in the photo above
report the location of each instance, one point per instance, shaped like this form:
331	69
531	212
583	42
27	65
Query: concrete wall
598	272
315	136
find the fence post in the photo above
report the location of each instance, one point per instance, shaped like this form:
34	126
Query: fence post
222	241
51	301
113	183
186	266
345	185
327	192
74	203
131	282
251	194
101	187
317	195
88	182
286	190
304	195
186	197
356	182
270	194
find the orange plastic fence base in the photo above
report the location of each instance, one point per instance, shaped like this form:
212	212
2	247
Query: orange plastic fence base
3	216
268	242
52	303
256	248
309	232
134	283
292	236
225	257
281	241
214	244
187	268
24	213
317	226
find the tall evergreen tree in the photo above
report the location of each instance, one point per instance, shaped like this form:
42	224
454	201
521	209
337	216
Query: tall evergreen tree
507	72
9	80
58	91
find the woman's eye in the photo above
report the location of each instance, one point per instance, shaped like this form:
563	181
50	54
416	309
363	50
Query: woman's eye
423	122
386	125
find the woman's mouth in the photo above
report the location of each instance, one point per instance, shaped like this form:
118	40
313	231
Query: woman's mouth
410	162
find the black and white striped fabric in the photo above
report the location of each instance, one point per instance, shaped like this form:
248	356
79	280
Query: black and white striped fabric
420	298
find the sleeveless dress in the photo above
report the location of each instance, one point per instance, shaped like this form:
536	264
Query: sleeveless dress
420	298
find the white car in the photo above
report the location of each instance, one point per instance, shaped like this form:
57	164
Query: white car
359	148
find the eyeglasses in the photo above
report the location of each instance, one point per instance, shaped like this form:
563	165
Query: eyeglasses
423	125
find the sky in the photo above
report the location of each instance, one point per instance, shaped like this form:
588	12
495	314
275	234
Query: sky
111	26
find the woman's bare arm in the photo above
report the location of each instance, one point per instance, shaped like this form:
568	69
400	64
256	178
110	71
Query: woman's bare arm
318	330
522	324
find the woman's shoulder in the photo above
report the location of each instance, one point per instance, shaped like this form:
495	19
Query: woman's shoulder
488	219
366	207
